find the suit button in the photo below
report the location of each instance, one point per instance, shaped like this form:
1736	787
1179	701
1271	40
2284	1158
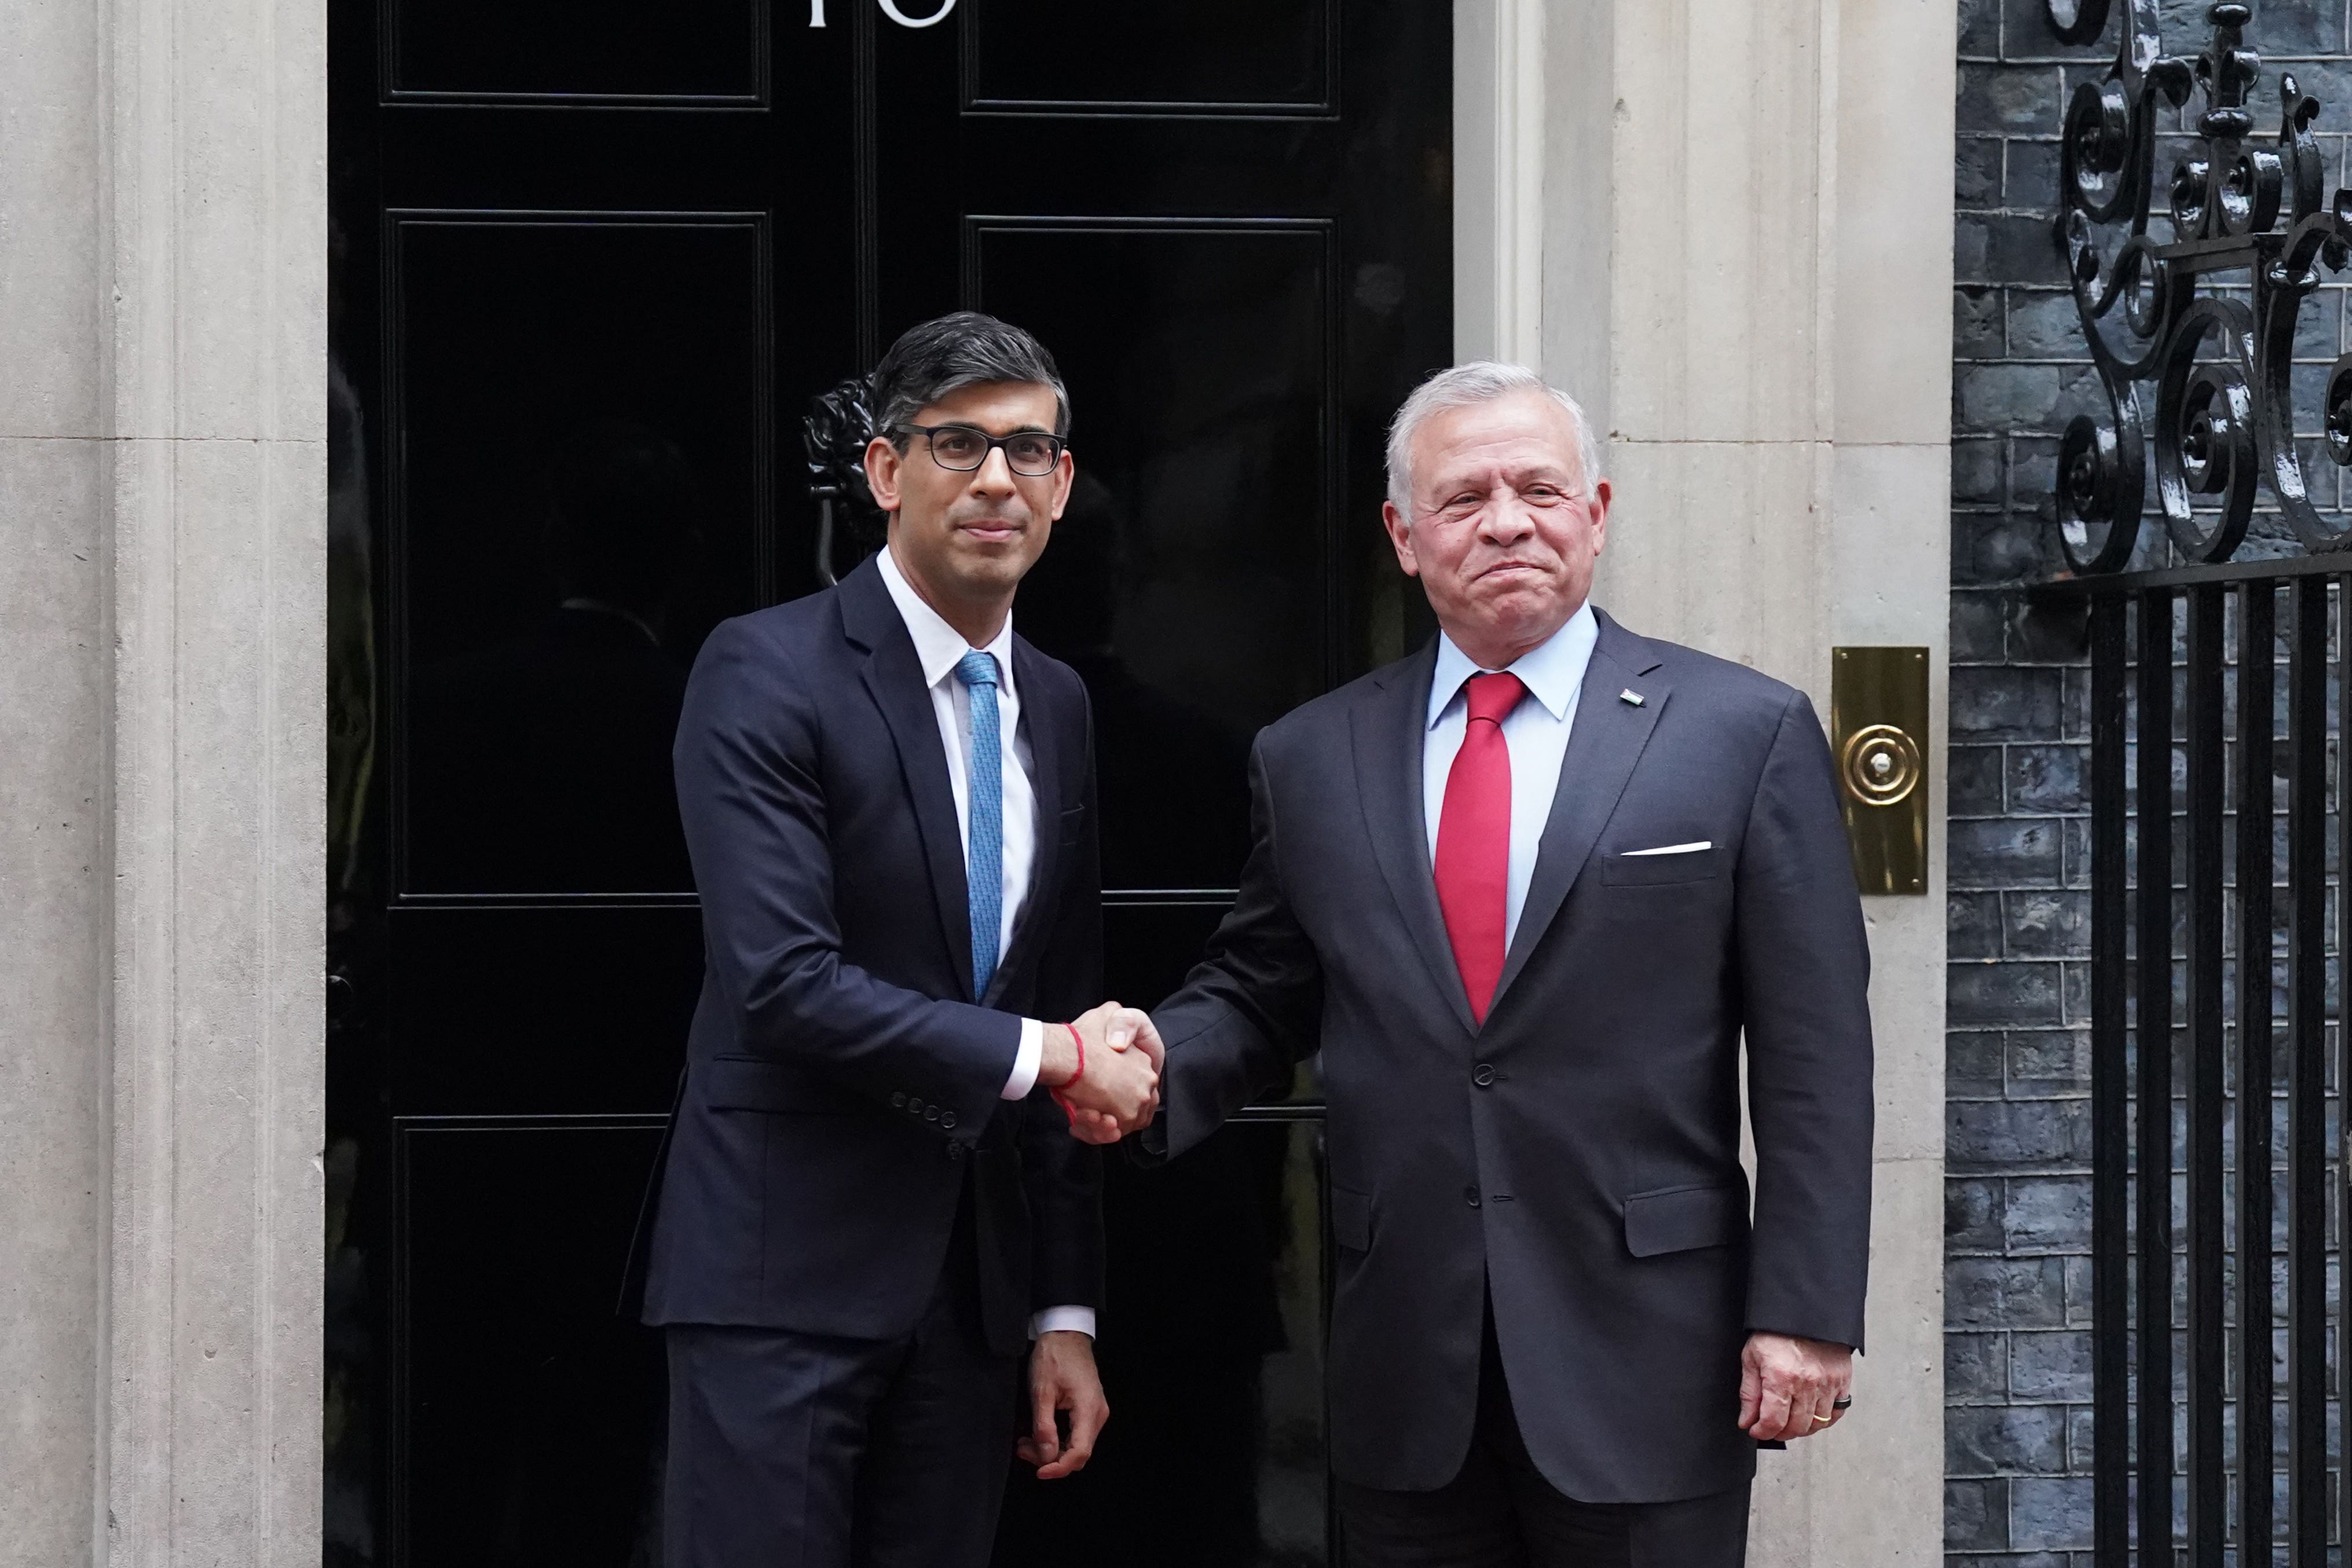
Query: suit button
955	1151
1485	1076
930	1113
1470	1197
899	1100
948	1119
915	1107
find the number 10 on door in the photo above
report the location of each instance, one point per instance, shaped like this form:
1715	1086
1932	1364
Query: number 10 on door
889	9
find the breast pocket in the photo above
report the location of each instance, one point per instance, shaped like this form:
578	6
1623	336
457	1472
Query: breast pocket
1074	826
1659	870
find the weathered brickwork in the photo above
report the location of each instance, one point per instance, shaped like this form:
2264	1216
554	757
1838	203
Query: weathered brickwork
2017	1226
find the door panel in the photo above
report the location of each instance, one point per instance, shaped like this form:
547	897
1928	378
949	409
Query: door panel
1206	57
532	1413
591	262
581	418
510	1009
1212	425
1188	582
570	50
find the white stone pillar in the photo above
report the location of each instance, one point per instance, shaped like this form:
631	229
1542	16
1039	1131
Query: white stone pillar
53	786
162	315
1744	235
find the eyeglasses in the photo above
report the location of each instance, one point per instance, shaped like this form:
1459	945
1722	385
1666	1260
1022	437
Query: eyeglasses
960	448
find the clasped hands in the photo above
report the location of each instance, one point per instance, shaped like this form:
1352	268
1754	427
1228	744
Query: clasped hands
1104	1068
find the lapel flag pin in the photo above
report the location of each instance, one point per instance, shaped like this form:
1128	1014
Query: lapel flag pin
1630	695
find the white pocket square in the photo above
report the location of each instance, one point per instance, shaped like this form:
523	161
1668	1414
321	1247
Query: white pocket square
1671	850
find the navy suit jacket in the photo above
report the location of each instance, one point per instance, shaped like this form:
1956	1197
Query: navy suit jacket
843	1083
1576	1157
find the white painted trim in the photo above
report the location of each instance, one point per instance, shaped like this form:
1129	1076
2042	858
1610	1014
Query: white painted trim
1498	180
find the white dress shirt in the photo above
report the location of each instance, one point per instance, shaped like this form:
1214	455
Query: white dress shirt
1535	731
938	648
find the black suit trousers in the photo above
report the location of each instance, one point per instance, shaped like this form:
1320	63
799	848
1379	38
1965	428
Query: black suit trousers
1500	1512
799	1450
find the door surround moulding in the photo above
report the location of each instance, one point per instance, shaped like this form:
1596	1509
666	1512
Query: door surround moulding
212	265
1533	140
1498	180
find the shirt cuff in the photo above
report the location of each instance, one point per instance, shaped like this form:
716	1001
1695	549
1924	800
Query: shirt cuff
1025	1065
1063	1320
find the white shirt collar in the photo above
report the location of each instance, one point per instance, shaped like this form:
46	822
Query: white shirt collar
939	646
1552	671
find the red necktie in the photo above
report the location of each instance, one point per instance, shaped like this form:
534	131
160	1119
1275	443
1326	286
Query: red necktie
1473	840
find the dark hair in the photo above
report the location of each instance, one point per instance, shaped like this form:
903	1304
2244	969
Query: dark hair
967	349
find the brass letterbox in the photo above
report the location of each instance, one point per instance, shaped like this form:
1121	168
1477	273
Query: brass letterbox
1878	737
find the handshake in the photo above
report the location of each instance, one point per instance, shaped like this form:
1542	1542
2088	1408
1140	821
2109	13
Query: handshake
1103	1068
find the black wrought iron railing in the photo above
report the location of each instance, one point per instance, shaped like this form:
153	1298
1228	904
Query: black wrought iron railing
2211	318
2211	1007
2217	797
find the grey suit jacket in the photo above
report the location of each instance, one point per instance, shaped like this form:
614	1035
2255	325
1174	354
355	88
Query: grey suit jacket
1578	1157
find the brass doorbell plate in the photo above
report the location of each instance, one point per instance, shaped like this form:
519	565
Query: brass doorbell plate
1878	733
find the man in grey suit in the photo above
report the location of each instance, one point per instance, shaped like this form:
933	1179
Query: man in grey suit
1526	891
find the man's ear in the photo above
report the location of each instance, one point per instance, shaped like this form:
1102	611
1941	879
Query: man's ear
1600	516
1066	474
1401	537
882	462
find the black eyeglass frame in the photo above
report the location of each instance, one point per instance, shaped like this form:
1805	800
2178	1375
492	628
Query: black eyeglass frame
995	442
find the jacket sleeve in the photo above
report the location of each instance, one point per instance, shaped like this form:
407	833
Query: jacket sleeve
1064	1176
1252	1010
750	795
1804	968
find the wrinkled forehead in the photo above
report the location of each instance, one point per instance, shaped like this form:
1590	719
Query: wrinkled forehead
1519	440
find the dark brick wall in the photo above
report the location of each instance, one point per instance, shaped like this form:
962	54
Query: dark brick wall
2017	1379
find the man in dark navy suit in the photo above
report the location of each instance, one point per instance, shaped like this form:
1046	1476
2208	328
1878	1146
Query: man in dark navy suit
870	1207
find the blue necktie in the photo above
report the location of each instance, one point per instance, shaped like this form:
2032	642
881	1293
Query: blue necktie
984	857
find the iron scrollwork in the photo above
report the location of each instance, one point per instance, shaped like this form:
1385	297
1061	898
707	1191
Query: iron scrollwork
2238	204
835	434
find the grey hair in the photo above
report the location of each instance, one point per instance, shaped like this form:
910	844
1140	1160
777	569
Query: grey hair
966	348
1480	381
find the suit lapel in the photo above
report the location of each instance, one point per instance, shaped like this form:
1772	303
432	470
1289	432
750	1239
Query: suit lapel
895	681
1606	742
1043	730
1389	729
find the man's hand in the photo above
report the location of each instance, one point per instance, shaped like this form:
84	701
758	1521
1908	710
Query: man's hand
1125	1026
1118	1028
1118	1092
1062	1377
1787	1384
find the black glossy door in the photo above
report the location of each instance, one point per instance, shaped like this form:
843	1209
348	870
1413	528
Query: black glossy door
590	261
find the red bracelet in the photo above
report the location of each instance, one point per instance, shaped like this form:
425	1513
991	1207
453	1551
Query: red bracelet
1059	1098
